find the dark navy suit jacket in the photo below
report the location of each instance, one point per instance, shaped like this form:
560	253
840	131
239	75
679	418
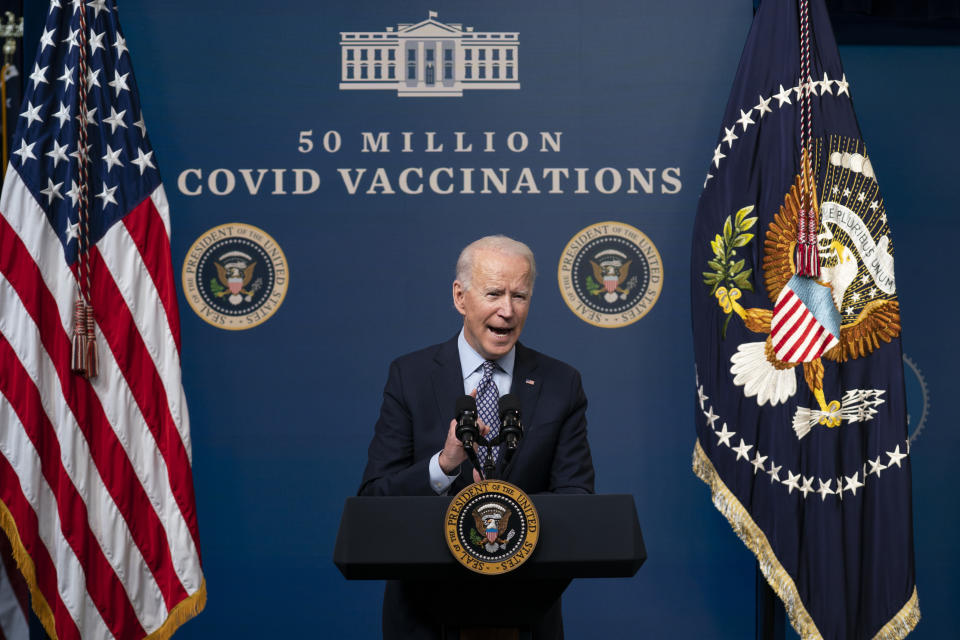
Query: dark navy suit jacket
418	404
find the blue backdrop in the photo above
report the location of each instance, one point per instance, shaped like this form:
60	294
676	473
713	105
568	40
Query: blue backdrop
282	413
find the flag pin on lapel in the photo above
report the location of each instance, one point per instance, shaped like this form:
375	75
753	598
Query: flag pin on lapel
530	381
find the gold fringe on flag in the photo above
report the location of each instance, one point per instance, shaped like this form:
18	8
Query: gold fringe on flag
181	613
777	577
28	570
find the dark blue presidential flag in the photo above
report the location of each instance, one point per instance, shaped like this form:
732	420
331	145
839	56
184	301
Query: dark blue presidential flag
800	411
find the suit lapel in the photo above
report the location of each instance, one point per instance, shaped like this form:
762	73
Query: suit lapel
447	379
526	386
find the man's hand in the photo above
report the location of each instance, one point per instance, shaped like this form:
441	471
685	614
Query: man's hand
453	453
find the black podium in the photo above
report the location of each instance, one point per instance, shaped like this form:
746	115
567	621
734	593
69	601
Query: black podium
581	536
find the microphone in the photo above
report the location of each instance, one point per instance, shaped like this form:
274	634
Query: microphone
511	429
467	430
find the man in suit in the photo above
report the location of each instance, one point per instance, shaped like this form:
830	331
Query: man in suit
415	450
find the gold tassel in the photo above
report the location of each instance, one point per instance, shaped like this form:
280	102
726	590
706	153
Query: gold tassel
92	361
78	343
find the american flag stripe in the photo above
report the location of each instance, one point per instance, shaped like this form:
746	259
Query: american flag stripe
149	228
145	383
797	335
813	338
135	282
41	570
792	327
22	403
74	599
804	330
782	313
147	529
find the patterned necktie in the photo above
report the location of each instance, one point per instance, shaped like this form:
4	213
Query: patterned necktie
488	407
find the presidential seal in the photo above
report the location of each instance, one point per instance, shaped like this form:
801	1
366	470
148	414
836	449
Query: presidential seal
491	527
235	276
610	274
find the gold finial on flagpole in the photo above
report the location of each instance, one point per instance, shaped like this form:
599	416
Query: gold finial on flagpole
10	30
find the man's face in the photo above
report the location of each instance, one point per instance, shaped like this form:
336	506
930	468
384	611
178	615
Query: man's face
495	306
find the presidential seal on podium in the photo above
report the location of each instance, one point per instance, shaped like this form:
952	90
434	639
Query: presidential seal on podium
491	527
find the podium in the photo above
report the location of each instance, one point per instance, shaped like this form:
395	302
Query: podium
401	538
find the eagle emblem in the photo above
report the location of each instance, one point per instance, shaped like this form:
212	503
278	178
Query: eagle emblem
491	521
812	320
234	272
610	270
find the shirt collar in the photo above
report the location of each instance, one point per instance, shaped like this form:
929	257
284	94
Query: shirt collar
470	360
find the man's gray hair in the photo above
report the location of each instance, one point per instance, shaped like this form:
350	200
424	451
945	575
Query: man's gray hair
499	243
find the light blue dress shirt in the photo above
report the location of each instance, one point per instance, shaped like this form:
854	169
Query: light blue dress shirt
471	366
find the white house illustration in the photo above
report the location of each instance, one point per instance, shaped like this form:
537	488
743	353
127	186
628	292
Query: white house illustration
429	58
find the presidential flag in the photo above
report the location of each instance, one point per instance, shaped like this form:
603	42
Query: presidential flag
96	489
800	410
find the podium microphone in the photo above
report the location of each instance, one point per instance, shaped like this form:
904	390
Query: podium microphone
467	430
511	428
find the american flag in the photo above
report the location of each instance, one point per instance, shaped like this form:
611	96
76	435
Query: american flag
96	491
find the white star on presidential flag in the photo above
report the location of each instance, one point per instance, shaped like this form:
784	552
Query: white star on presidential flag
774	472
783	96
853	483
842	85
825	85
791	481
729	136
876	466
825	489
724	435
711	417
895	457
743	450
757	462
764	106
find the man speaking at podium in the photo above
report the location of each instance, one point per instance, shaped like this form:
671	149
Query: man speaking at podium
415	450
